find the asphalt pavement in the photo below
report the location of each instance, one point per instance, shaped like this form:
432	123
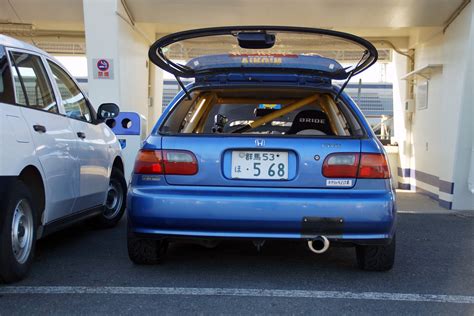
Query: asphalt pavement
87	271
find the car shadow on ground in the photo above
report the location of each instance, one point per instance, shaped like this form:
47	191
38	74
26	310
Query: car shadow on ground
432	257
84	248
273	251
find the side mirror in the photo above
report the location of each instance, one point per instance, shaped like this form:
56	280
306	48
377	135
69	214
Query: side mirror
107	111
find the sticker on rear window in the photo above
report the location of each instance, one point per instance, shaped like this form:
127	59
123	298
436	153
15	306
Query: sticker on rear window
339	183
269	106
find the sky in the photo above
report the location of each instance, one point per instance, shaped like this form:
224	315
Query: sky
77	65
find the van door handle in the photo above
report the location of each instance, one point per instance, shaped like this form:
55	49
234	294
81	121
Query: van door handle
81	135
39	128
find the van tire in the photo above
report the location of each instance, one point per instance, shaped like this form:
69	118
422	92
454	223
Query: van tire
111	216
376	258
17	200
145	250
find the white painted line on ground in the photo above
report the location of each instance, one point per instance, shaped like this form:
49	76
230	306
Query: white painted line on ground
433	212
380	296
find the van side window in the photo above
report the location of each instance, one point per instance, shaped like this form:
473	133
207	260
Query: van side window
6	87
33	89
74	102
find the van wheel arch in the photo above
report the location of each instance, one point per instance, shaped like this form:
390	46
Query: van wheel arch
115	203
118	163
32	178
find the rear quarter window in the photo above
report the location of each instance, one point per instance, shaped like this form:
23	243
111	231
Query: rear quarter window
33	87
6	87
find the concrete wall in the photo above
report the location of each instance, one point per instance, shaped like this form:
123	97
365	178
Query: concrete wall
464	164
401	127
441	135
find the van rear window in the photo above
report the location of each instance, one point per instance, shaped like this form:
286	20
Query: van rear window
277	112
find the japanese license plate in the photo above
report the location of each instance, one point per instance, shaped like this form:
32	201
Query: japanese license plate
264	165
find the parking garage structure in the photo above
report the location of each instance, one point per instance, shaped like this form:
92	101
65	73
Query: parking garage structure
422	108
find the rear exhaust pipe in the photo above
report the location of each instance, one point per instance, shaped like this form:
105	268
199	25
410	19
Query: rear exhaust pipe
319	244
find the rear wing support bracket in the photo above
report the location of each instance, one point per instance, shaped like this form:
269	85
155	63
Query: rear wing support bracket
183	87
336	98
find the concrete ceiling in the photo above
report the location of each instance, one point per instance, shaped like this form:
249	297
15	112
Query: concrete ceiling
58	25
320	13
169	16
34	11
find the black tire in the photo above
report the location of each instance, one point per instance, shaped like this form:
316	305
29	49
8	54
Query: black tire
12	267
112	215
144	250
376	258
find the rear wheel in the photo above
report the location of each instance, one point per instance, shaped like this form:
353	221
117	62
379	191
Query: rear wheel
376	258
115	203
17	233
144	250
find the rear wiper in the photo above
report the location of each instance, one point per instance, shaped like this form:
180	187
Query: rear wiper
183	87
336	98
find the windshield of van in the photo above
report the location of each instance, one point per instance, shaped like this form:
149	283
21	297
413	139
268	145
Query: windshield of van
262	112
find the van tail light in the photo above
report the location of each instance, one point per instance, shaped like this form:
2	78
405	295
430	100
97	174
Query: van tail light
172	162
354	165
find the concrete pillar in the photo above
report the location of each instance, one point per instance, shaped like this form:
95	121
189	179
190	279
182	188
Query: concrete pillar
111	36
156	93
400	118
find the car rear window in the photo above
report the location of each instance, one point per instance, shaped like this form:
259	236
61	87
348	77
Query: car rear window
275	112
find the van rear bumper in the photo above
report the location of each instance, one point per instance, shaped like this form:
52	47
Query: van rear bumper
362	216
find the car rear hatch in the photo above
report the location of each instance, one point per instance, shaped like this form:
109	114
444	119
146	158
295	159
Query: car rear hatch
262	49
251	160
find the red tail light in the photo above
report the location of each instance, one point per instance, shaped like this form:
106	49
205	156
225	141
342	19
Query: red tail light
354	165
342	165
148	162
374	166
178	162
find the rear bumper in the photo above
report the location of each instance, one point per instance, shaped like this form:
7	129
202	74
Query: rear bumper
365	216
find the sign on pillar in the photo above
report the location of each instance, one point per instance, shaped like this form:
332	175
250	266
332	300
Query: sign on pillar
103	68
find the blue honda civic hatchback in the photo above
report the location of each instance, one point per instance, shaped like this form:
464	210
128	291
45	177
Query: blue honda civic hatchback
263	145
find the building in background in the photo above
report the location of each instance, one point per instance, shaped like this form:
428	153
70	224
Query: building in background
376	102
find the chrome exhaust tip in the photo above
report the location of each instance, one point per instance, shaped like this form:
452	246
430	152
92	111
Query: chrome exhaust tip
319	244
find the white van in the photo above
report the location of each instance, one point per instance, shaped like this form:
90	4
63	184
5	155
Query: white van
59	162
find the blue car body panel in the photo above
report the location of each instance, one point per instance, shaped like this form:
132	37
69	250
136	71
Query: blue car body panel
259	212
211	204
